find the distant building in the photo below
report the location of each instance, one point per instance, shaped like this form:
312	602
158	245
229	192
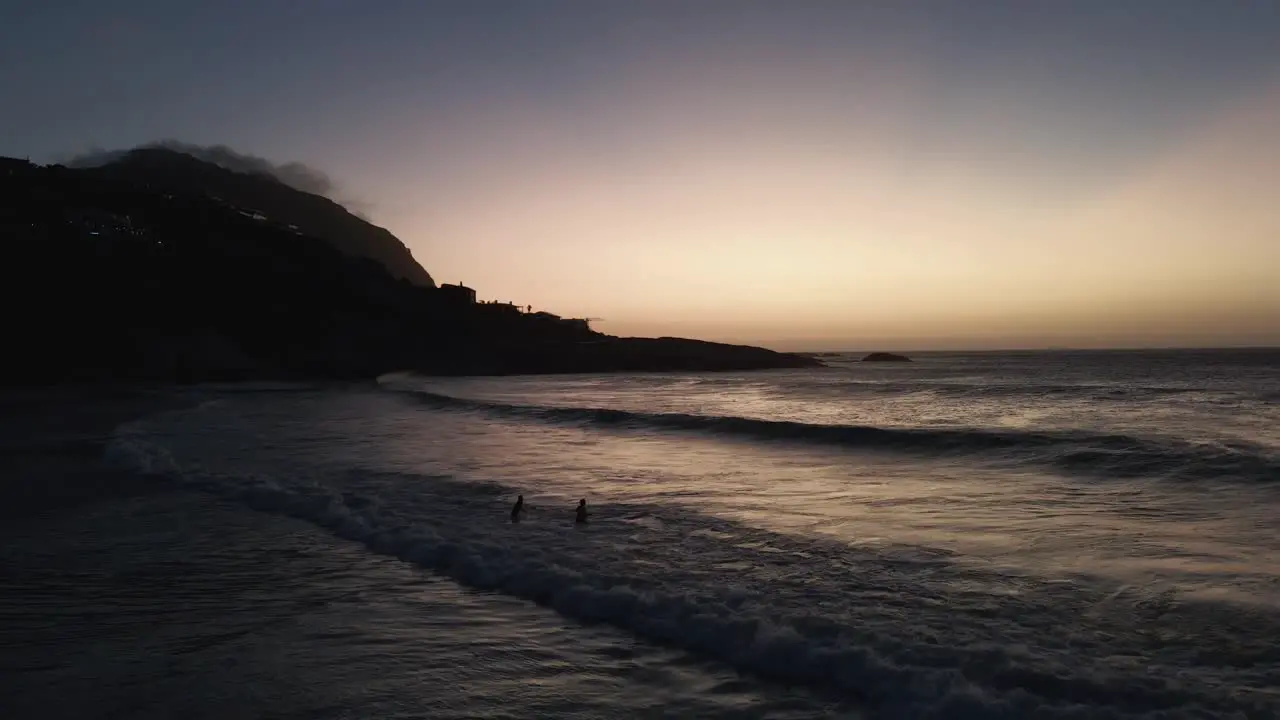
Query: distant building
579	325
460	294
502	308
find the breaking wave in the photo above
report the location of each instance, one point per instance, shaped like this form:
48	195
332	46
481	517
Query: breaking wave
1073	452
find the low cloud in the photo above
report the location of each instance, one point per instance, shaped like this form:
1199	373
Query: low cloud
299	176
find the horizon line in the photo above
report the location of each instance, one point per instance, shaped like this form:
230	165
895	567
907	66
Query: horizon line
1162	348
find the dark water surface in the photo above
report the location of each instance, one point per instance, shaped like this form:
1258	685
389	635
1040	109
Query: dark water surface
1017	535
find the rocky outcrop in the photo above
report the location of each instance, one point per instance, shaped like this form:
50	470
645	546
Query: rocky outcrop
615	354
885	357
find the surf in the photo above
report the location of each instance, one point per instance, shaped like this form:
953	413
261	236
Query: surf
908	631
1071	452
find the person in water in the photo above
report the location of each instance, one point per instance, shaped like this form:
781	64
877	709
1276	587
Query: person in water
519	508
580	518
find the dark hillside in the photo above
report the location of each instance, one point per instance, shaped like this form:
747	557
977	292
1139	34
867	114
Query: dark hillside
108	278
175	172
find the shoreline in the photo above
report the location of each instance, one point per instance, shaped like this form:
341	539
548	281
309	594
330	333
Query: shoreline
109	386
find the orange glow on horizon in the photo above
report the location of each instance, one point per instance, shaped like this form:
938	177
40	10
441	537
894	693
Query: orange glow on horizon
853	221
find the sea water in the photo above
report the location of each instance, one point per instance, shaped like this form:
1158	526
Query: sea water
1068	534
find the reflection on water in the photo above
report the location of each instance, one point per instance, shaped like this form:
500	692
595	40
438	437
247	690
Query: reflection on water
1218	541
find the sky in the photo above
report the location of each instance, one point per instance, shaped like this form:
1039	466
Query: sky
802	174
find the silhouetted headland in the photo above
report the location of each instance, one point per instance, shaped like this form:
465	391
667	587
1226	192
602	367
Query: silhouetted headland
263	196
885	357
162	267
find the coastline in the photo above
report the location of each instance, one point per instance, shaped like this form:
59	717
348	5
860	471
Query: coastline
159	237
481	358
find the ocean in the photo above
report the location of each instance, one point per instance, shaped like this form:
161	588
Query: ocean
985	535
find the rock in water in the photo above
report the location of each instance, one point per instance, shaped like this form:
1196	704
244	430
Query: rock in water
885	357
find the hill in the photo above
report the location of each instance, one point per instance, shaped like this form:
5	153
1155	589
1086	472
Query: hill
164	170
113	275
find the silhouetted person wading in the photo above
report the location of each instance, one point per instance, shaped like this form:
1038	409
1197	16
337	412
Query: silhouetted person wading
519	508
580	517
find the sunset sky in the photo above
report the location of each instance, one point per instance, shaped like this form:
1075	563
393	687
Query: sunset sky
798	173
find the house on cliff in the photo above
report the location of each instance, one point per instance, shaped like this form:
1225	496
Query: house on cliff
505	309
457	294
575	325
